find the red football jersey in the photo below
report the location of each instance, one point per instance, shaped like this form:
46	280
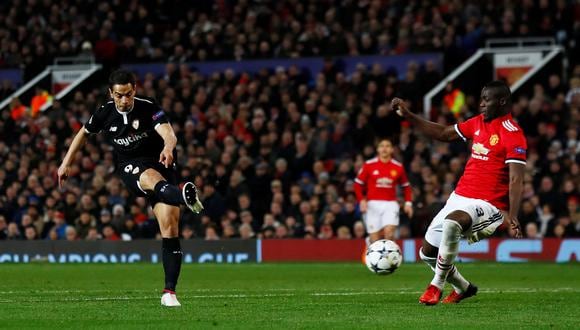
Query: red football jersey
380	180
495	144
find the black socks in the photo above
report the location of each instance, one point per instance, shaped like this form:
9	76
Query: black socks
171	261
168	193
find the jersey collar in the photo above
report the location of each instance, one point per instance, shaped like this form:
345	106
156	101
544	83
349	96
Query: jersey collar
504	117
126	112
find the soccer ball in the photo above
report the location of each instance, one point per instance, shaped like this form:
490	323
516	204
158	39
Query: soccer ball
383	257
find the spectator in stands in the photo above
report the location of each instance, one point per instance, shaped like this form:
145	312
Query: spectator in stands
71	233
246	231
187	232
12	232
30	233
3	228
531	229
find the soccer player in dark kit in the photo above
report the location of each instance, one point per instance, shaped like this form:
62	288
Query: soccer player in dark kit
144	147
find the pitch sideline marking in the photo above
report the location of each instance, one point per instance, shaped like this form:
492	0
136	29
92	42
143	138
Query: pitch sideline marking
275	295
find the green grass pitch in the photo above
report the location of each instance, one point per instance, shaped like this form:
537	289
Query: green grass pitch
286	295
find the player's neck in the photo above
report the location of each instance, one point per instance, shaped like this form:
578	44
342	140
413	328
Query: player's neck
127	111
385	159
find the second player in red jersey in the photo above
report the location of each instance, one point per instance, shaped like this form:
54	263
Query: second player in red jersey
376	191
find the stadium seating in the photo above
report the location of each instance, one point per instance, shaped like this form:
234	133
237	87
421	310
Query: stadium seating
274	151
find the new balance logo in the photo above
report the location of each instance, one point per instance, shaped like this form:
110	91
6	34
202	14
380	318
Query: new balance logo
509	126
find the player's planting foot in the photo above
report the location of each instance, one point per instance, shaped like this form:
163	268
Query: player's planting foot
169	299
454	297
191	197
431	296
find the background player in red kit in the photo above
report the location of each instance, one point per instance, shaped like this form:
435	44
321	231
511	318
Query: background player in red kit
491	185
376	191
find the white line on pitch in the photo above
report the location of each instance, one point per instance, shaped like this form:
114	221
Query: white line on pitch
281	294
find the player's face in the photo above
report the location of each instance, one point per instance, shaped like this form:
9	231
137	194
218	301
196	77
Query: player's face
490	104
385	149
123	96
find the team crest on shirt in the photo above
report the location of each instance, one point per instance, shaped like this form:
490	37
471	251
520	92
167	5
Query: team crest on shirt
393	173
135	124
493	140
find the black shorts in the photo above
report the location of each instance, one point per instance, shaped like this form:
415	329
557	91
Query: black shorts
131	170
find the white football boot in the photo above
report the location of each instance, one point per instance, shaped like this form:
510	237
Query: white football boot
191	197
170	300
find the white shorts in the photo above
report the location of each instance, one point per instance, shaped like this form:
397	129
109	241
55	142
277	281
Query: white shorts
485	218
380	214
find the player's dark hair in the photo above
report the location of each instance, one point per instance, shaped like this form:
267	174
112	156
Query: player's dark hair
501	88
122	77
381	139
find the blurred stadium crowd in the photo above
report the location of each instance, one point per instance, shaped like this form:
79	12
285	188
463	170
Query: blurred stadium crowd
275	153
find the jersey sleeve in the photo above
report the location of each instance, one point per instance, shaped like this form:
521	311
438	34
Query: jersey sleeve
362	175
96	122
360	183
516	148
467	128
404	182
159	116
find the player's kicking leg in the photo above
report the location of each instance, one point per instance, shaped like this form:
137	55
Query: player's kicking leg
450	232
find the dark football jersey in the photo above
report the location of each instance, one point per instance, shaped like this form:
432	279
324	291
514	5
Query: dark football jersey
132	134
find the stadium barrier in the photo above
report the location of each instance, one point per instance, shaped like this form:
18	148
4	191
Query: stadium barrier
239	251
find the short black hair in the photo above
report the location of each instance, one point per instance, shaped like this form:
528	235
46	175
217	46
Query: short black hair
121	77
502	89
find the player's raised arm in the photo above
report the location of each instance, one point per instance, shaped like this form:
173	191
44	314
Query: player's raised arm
77	143
516	187
170	141
429	128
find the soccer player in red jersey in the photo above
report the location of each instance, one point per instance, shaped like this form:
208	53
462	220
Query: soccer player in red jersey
488	193
376	191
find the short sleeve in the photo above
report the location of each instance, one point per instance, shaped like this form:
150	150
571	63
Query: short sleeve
516	148
467	128
403	180
362	175
159	117
95	123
